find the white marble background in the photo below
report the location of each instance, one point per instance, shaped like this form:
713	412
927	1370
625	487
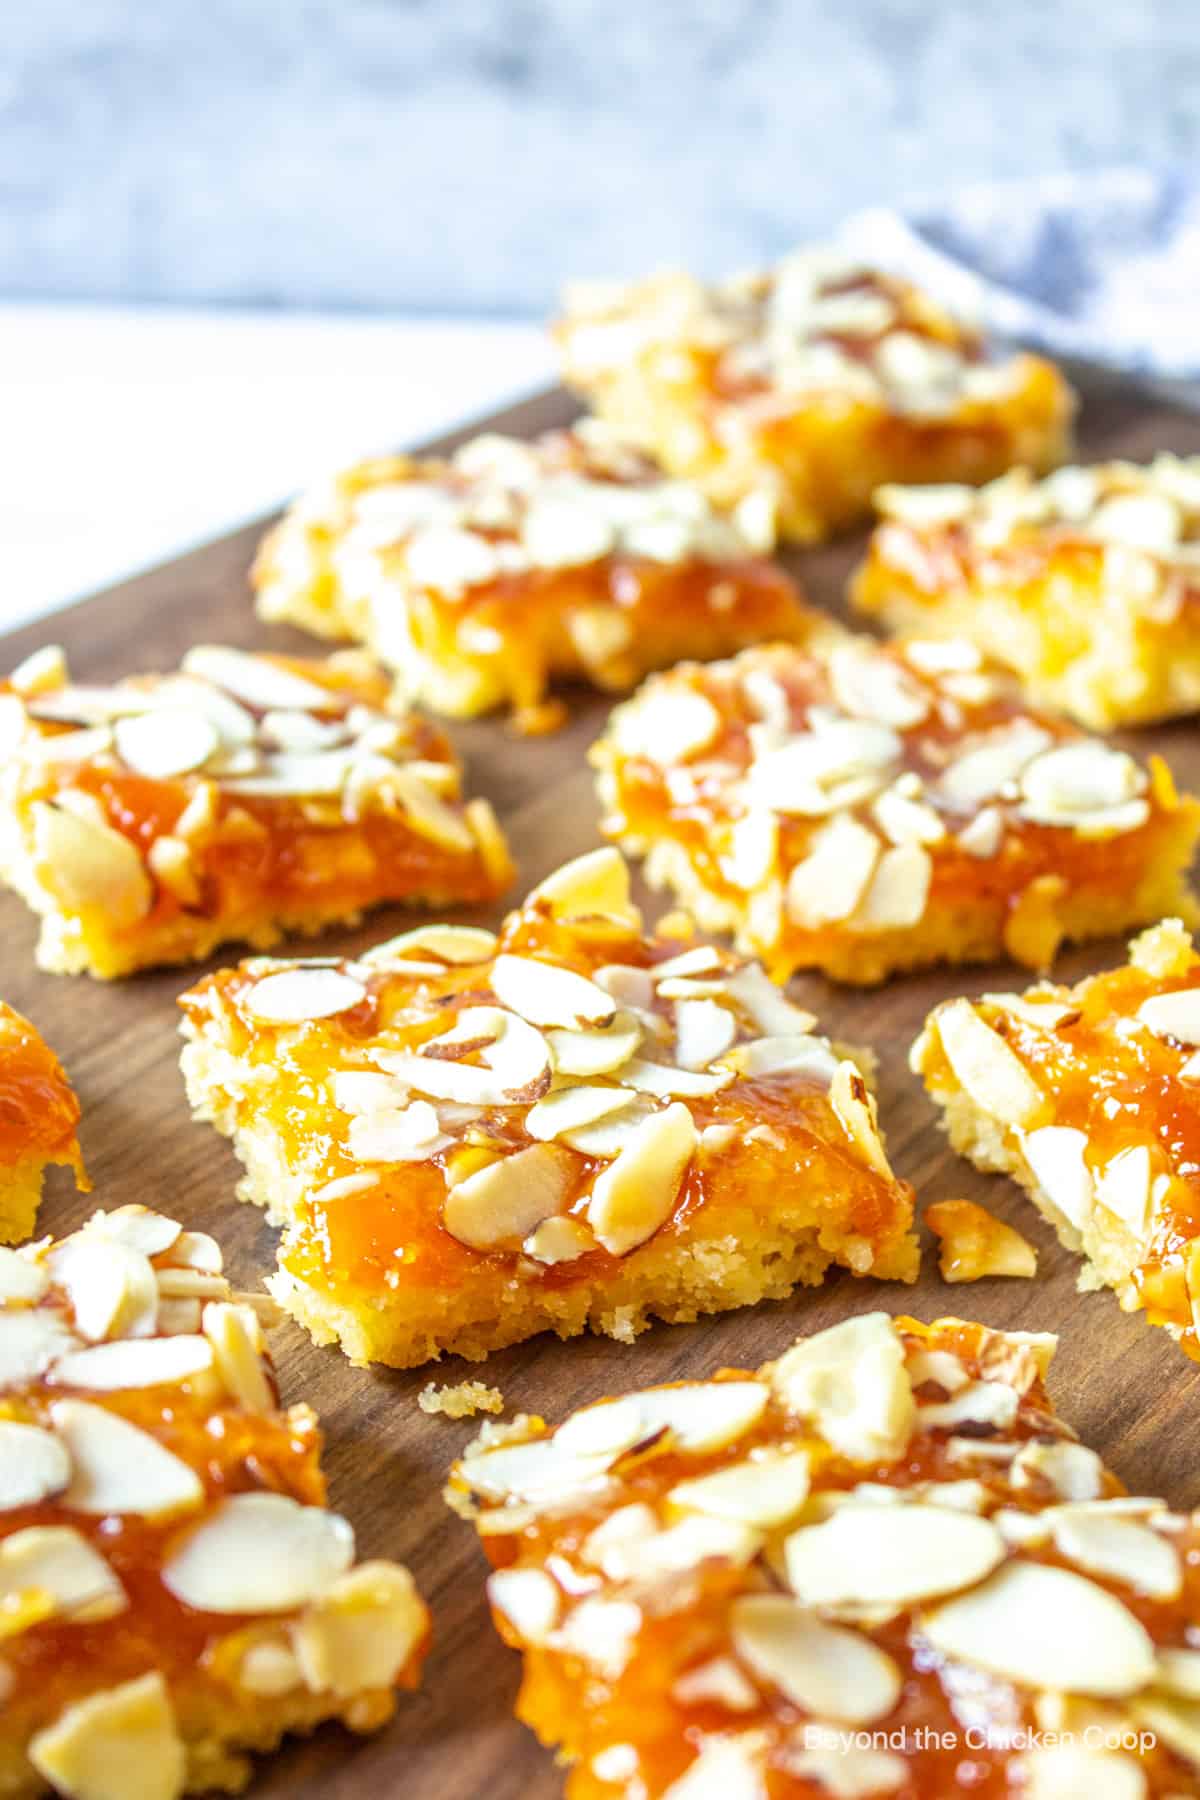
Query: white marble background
439	164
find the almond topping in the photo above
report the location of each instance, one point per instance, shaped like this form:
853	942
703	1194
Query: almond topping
295	996
33	1465
111	1287
166	743
852	1382
505	1201
515	1056
985	1066
567	1108
360	1633
1067	1771
234	1336
704	1030
766	1490
118	1468
56	1561
596	1052
637	1193
1072	1470
790	1055
665	1081
1045	1628
21	1280
827	1670
832	878
120	1744
1055	1154
855	1107
1119	1549
897	893
256	680
594	885
133	1363
699	1416
974	1245
259	1553
559	1240
892	1556
546	995
89	867
1174	1015
456	945
29	1343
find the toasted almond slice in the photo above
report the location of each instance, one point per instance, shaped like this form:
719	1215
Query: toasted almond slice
704	1030
731	1767
295	996
505	1201
750	859
1045	1628
720	1682
1045	1012
700	1416
88	866
170	861
985	1066
163	744
546	995
1174	1015
898	891
58	1562
1124	1187
637	1193
766	1490
602	1632
133	1363
701	959
993	762
1067	1771
234	1336
256	680
118	1744
29	1342
21	1280
40	672
667	725
855	1107
1175	1723
665	1081
33	1465
832	878
111	1287
539	1471
1073	782
397	1134
456	945
74	747
361	1632
975	1245
516	1059
979	1403
259	1553
788	1055
1118	1549
768	1009
906	820
528	1599
596	1052
565	1109
136	1227
197	1250
558	1240
607	1137
834	1673
850	1771
1056	1156
1178	1672
867	683
851	1380
191	1284
863	1556
697	1538
118	1468
596	884
366	1091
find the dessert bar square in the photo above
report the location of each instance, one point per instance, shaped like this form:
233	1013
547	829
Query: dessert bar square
864	808
878	1566
472	1138
174	1590
1086	584
1089	1096
481	579
241	797
818	380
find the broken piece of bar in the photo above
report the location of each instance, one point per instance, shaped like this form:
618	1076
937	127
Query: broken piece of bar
481	579
472	1138
242	797
863	808
39	1116
1090	1097
173	1589
1086	584
879	1566
819	381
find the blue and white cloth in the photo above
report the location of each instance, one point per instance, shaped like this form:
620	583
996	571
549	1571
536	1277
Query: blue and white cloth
1104	265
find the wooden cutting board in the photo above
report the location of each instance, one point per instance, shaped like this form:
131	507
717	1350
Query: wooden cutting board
1129	1391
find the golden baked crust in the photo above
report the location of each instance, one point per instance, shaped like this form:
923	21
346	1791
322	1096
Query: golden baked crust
879	1566
862	808
820	380
238	798
39	1115
471	1139
173	1590
1086	584
480	580
1088	1097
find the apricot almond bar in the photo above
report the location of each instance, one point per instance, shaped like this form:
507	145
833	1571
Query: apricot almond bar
39	1114
472	1138
818	381
1089	1096
878	1566
1086	584
241	797
863	808
480	579
174	1591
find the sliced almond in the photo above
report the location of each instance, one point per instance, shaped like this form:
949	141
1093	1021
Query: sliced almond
704	1030
851	1381
827	1670
849	1771
366	1091
22	1281
702	959
718	1682
869	684
529	1599
150	1233
974	1245
29	1342
112	1288
235	1338
546	995
984	835
699	1416
457	945
985	1066
118	1744
515	1058
537	1472
865	1557
256	680
666	724
665	1081
602	1632
1056	1154
1084	784
766	1490
993	763
906	820
1069	1771
768	1009
596	1052
397	1134
295	996
1118	1549
167	743
33	1465
1045	1628
594	885
89	867
118	1468
558	1240
133	1363
898	891
56	1561
565	1109
259	1553
171	863
636	1194
1124	1187
506	1200
833	876
1174	1015
855	1107
759	1058
41	671
991	1403
732	1768
360	1633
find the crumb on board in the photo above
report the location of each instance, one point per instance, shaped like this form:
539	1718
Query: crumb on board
462	1401
973	1244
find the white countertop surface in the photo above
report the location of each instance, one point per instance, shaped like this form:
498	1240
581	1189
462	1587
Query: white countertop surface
130	434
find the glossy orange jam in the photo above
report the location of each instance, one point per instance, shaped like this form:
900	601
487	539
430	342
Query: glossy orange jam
583	1711
390	1236
39	1112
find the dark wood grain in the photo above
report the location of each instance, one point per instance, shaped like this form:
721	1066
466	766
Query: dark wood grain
1126	1387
